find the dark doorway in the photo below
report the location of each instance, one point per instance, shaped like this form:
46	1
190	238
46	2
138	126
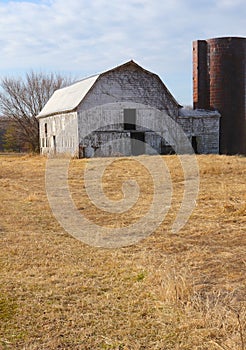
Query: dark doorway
137	143
54	143
45	130
194	144
45	135
167	149
129	119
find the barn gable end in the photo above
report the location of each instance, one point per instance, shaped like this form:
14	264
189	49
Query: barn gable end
131	83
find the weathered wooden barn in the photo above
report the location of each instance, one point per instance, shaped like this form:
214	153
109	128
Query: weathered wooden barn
124	111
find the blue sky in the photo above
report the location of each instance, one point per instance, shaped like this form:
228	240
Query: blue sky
82	37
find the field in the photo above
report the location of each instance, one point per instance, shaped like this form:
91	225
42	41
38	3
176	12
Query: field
181	291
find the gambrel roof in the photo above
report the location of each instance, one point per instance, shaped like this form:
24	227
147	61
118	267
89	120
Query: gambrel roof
68	99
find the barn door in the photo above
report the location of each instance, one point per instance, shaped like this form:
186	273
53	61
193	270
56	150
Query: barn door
54	144
137	147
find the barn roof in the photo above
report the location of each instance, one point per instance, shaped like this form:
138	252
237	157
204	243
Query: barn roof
67	99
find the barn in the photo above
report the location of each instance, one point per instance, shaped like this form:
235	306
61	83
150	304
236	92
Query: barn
124	111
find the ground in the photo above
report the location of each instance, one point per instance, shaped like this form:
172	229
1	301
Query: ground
182	291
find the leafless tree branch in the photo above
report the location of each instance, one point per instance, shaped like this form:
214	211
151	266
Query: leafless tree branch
21	100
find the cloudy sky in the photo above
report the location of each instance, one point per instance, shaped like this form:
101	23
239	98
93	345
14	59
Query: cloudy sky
85	37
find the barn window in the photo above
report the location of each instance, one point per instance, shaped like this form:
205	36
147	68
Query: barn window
129	119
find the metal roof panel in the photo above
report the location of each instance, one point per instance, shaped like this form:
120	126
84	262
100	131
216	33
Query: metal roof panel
68	98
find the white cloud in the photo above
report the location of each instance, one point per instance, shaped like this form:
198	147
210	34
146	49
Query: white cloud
230	3
87	37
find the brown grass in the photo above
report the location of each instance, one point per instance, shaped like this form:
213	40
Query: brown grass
184	291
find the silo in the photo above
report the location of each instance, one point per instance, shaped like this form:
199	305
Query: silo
219	79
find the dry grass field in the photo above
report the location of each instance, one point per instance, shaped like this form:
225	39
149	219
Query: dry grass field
181	291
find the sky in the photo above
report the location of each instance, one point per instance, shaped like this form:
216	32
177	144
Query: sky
80	38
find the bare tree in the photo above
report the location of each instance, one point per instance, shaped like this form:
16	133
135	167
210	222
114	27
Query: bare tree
21	99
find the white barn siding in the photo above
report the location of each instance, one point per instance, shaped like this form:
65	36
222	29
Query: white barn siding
203	127
107	124
59	134
124	88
